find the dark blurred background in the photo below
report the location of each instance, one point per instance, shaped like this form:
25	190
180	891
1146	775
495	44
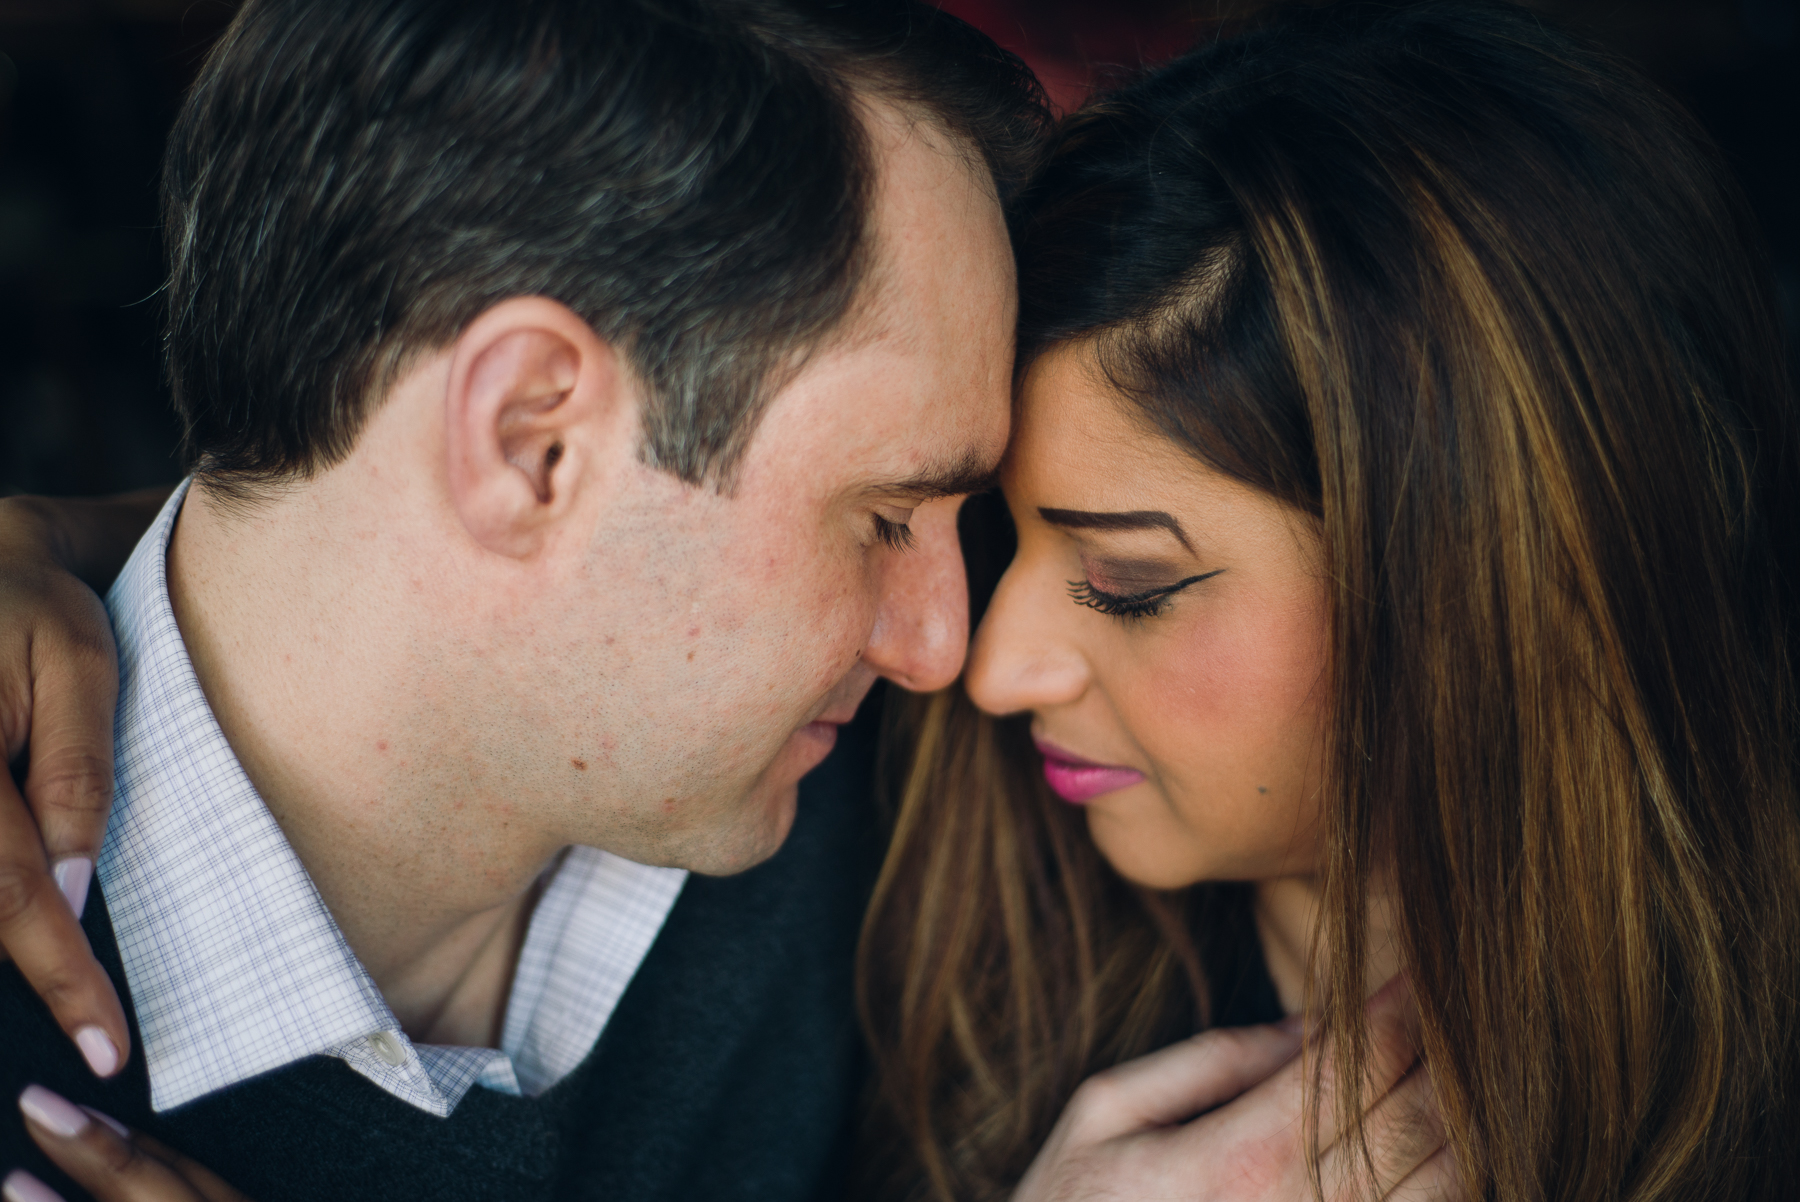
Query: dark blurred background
88	89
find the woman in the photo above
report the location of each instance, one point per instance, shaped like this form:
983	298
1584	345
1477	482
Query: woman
1400	479
1402	474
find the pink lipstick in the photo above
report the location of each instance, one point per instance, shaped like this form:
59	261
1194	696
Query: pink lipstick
1077	780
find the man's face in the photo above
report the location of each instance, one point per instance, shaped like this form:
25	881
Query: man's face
694	665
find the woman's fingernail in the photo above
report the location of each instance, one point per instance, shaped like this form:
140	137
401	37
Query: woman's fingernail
21	1186
98	1050
53	1112
119	1129
73	876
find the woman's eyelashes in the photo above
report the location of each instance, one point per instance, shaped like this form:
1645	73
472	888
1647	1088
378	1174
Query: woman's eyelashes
1143	603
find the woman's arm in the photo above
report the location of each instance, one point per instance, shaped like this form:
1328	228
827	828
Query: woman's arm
59	680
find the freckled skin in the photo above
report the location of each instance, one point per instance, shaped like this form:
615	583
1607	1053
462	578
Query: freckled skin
793	586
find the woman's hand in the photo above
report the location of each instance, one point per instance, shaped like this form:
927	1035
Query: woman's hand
59	680
1130	1132
107	1159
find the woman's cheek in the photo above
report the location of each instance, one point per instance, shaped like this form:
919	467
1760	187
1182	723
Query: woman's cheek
1228	716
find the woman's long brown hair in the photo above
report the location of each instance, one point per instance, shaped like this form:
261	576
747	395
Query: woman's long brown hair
1484	304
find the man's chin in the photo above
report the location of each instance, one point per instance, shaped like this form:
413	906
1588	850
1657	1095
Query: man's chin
766	809
767	812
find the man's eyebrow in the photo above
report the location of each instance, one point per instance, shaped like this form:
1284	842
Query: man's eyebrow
970	474
1131	519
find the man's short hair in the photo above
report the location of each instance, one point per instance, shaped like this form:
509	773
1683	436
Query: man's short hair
353	181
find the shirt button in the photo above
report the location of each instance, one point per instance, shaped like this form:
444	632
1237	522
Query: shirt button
388	1046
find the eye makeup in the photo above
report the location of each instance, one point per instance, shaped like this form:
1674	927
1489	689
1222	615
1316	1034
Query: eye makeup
1127	574
1126	588
1145	603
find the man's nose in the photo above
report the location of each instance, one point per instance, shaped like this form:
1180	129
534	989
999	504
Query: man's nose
922	625
1022	658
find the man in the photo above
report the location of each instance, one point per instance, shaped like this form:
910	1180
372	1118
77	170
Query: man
561	429
580	395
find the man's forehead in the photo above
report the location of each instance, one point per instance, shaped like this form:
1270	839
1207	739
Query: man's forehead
911	396
936	225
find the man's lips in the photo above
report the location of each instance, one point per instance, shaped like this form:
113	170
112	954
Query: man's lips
840	716
841	706
1077	780
824	730
807	748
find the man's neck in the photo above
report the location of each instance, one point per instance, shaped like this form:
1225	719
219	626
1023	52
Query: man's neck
427	868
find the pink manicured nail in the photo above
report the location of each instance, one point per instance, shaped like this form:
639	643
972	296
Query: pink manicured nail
53	1112
98	1050
21	1186
73	876
119	1129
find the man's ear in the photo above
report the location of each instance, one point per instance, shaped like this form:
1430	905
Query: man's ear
540	412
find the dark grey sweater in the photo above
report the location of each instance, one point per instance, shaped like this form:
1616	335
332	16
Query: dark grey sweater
730	1069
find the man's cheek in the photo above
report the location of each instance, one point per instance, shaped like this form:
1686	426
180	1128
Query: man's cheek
838	642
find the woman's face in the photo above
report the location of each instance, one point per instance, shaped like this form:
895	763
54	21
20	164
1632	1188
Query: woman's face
1188	721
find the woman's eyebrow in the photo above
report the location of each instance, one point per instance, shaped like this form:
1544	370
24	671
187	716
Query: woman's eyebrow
1131	519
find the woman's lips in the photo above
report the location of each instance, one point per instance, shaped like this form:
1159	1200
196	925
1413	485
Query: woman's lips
1077	780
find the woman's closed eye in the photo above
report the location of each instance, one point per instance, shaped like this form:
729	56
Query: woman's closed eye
1142	603
1147	603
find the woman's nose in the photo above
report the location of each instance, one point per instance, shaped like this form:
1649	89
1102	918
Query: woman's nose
1022	658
